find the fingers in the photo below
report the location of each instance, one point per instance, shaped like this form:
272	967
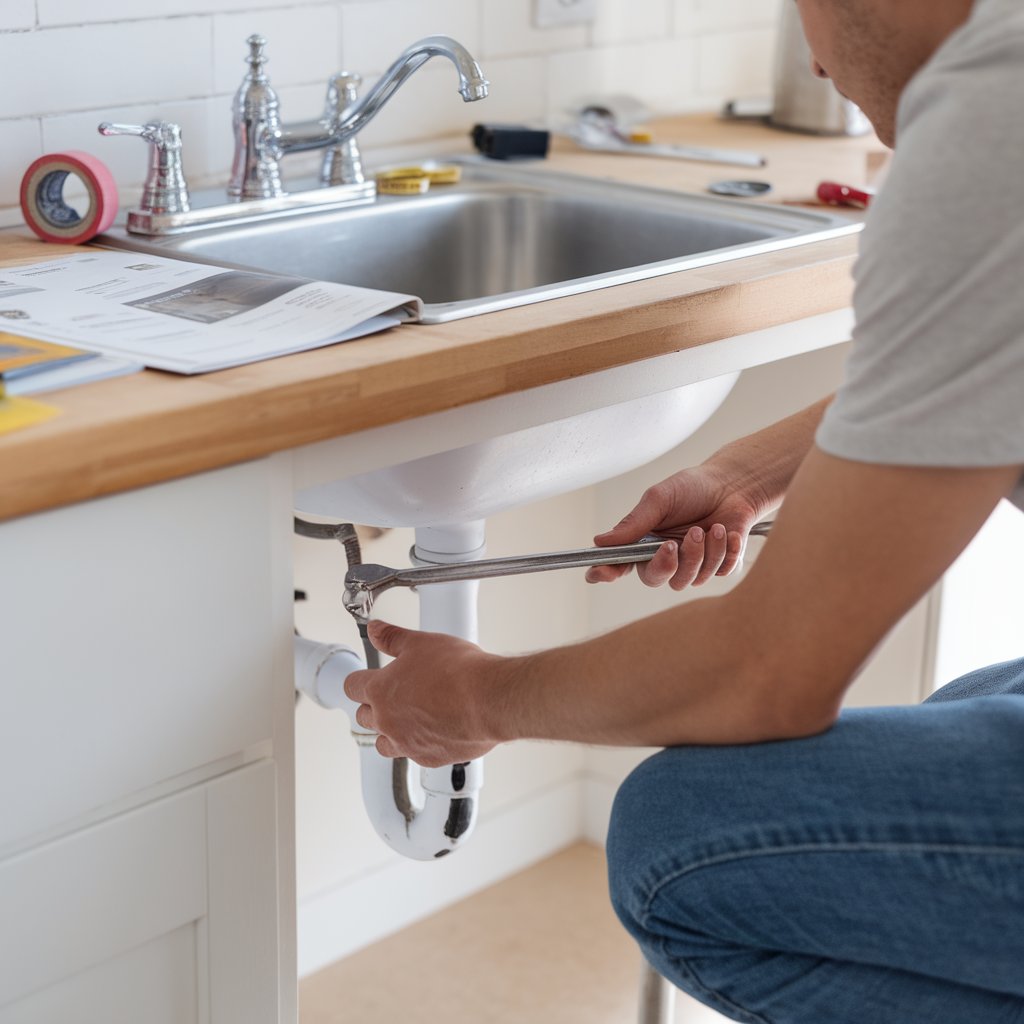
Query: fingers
356	685
650	512
733	554
691	558
607	573
388	639
715	545
632	527
654	573
364	713
702	554
364	717
386	748
660	569
691	562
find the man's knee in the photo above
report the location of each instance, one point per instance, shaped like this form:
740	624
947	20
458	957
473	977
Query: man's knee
691	806
1006	678
627	846
652	818
658	827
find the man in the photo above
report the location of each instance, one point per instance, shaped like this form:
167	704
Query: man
780	861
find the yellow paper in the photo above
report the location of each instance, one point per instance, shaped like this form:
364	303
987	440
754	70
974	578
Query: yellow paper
16	413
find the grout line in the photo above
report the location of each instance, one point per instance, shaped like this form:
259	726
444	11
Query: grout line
281	8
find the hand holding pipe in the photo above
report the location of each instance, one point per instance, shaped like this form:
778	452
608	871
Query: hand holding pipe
364	582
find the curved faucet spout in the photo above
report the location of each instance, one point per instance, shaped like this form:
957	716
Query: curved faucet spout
472	86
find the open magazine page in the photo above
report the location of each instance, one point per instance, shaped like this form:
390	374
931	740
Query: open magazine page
187	317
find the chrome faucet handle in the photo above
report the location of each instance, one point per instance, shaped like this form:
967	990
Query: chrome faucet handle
256	120
165	189
343	163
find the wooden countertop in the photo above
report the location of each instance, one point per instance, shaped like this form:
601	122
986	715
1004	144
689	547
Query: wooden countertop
123	433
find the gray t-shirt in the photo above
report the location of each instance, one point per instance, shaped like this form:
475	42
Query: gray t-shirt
936	376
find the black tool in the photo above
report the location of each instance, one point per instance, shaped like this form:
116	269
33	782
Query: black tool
505	142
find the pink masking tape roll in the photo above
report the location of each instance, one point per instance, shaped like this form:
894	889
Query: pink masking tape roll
42	197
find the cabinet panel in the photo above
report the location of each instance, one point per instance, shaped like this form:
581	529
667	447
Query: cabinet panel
87	898
243	916
178	899
155	983
135	637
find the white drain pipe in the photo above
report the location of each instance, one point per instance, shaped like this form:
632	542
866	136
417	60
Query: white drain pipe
428	814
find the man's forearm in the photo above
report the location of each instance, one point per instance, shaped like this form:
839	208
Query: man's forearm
695	674
764	463
703	665
584	692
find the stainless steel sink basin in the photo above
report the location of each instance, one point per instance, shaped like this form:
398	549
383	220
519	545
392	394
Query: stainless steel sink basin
506	236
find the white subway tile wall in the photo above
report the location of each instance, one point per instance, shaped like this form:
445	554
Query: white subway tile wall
71	64
17	14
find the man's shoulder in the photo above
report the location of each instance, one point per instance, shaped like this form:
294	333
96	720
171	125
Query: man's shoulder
960	136
988	47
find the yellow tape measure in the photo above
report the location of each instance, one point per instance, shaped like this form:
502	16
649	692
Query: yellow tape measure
403	186
416	178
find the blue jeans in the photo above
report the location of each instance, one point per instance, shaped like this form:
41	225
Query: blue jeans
870	875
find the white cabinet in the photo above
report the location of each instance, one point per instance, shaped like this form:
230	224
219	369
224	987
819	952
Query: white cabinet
139	651
146	756
243	920
78	910
167	913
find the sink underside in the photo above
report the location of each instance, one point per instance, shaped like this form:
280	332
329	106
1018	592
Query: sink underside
479	480
505	236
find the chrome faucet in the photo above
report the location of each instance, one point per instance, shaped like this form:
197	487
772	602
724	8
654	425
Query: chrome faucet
261	140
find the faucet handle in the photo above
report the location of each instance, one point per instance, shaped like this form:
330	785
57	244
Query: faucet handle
165	189
160	133
343	163
342	92
256	58
256	123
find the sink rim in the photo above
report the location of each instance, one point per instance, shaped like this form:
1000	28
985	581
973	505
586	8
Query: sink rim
820	225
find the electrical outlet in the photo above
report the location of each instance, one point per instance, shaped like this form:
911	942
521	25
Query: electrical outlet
549	13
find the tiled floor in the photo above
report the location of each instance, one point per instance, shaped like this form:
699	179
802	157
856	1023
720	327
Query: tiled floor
543	947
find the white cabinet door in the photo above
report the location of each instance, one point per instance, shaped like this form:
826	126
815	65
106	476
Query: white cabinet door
154	983
167	915
137	633
246	984
79	912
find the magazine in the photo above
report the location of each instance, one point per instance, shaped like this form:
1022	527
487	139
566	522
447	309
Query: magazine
187	317
68	375
20	356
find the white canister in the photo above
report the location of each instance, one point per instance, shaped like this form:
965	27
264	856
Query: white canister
804	102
